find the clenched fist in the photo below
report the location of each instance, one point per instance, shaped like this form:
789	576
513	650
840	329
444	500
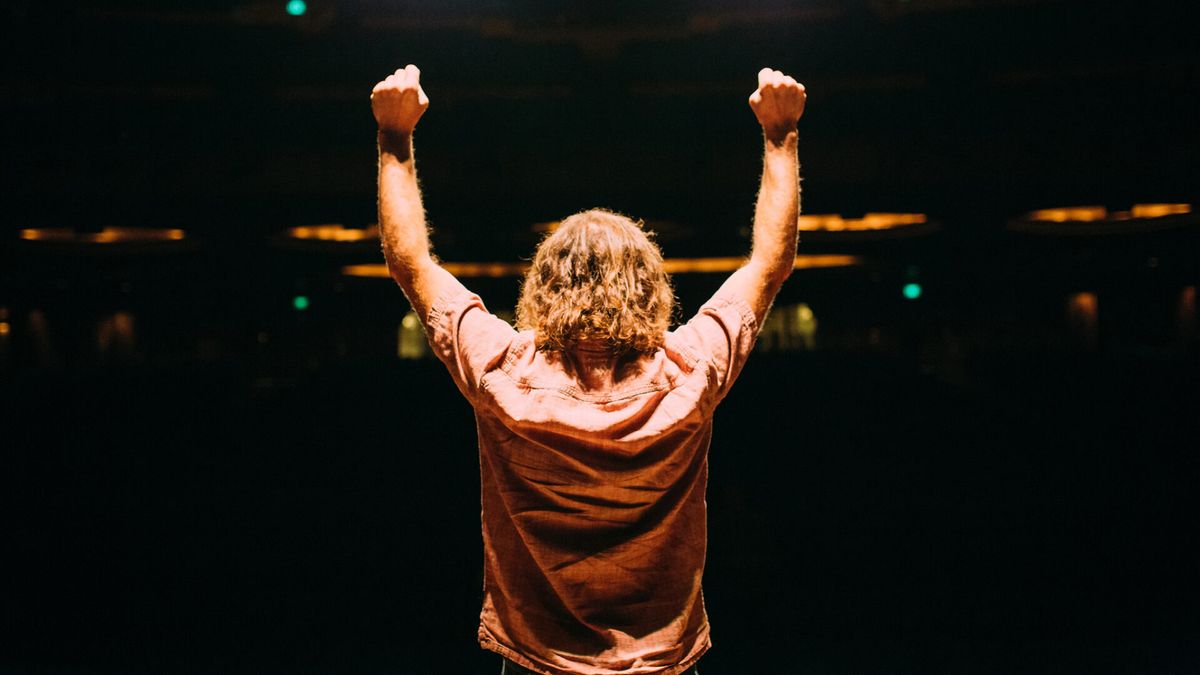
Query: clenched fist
778	103
398	101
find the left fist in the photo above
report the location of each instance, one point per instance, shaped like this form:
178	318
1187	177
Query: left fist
398	101
778	103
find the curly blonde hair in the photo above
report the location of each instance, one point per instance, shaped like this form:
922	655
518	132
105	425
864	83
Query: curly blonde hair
597	278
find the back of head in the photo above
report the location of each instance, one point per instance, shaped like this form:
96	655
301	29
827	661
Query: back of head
597	279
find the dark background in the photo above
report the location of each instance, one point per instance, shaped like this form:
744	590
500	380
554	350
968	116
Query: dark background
196	477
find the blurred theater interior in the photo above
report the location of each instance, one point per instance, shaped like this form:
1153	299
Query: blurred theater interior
966	442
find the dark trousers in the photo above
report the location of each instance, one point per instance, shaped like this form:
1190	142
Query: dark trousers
510	668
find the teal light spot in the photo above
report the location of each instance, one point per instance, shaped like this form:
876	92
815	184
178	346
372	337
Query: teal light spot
297	7
912	291
300	302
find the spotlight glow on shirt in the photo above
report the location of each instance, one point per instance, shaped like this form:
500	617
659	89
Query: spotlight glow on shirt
297	7
912	291
300	302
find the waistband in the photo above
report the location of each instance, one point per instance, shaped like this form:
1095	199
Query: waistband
510	668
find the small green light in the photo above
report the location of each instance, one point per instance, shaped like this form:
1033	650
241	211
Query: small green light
297	7
912	291
300	302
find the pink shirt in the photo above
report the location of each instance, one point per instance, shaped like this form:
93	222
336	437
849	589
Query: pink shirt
594	524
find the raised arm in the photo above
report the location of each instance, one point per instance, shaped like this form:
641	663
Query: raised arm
398	102
778	104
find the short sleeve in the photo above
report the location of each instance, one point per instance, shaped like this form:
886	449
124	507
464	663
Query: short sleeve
467	338
721	335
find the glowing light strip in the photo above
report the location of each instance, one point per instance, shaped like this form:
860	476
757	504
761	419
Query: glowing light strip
1093	214
108	235
334	232
671	265
1159	210
1075	214
869	222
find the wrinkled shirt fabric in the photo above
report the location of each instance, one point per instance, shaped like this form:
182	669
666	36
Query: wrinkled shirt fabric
593	502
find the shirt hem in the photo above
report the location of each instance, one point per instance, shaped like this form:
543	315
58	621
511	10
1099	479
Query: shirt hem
491	645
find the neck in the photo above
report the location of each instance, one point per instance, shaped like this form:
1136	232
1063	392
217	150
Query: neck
596	365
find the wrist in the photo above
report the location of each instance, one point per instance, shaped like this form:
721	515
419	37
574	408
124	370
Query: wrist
394	137
395	143
784	138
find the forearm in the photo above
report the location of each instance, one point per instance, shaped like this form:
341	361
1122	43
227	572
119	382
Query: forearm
778	207
402	228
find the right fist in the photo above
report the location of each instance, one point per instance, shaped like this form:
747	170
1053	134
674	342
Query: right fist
398	101
778	103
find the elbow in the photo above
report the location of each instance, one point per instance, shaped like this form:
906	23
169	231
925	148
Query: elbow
775	270
401	268
780	275
768	277
396	266
399	274
785	262
404	270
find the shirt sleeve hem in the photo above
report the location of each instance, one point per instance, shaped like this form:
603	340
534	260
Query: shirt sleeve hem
443	305
745	313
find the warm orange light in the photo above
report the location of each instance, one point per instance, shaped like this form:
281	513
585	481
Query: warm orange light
685	265
870	221
5	328
703	265
821	222
1083	317
1093	214
486	269
1083	304
1074	214
1159	210
334	232
372	271
671	265
468	269
108	235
